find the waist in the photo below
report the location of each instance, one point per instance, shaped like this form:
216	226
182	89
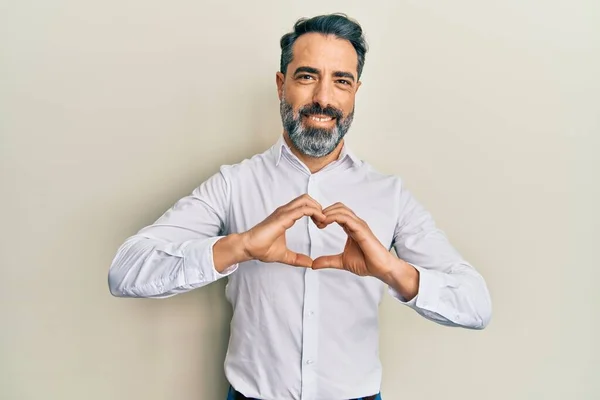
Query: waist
235	395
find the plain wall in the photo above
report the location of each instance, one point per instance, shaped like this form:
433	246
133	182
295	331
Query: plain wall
112	110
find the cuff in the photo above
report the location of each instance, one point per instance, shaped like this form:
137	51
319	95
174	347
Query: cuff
427	297
199	262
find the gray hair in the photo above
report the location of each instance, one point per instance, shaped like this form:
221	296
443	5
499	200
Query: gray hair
338	25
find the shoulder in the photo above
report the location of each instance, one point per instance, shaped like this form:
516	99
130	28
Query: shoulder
391	182
248	166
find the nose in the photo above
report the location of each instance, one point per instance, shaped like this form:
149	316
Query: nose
323	94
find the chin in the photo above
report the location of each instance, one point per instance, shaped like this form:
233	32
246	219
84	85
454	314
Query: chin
311	129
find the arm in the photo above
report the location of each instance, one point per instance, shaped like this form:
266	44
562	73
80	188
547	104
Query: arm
449	290
177	253
187	247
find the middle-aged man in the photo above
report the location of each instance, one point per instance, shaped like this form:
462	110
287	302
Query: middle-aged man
305	291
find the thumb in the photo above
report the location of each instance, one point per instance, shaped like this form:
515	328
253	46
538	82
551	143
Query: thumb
328	262
296	259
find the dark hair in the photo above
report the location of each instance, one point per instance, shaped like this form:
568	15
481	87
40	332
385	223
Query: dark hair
338	25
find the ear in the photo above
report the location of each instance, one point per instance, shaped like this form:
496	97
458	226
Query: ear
357	86
279	79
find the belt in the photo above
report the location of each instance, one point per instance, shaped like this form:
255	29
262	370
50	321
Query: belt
239	396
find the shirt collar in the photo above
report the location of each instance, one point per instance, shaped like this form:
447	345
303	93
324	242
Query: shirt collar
282	146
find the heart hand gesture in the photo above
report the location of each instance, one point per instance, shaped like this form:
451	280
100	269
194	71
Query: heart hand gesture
266	241
363	255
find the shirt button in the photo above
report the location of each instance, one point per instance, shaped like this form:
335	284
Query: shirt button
309	362
311	313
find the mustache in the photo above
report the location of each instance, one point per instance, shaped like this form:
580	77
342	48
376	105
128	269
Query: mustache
316	109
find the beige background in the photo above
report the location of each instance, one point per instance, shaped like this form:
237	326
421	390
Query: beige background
112	110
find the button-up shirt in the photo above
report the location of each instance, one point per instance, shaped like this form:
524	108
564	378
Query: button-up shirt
298	333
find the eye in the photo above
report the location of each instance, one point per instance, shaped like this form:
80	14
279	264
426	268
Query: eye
306	77
343	82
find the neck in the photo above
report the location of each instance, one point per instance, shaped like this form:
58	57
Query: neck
315	164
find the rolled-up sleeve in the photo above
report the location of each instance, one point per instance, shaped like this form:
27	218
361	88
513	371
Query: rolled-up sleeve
175	254
451	292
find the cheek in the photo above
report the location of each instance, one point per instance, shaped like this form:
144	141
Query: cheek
344	100
297	97
348	107
296	103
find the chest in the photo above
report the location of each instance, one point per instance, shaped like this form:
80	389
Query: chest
255	197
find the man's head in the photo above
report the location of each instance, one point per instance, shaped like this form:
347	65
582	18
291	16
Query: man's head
321	63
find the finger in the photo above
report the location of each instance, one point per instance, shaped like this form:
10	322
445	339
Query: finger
338	206
335	209
297	260
320	223
329	219
308	211
344	211
334	206
328	262
348	221
304	200
319	218
290	217
355	228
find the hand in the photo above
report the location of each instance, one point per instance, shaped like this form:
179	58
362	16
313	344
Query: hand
266	241
363	255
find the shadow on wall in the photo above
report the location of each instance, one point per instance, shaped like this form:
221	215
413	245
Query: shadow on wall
264	121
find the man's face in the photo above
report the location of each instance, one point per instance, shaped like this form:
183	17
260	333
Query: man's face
317	93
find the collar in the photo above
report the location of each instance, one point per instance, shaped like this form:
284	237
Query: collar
281	146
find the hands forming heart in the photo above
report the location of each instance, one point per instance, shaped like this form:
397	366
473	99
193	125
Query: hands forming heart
363	254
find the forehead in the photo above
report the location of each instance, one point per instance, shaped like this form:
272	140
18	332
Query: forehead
327	53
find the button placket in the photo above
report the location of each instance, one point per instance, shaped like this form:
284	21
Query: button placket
311	300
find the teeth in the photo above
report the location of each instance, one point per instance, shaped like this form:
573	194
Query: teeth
320	119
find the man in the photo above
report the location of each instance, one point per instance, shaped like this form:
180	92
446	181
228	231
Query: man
305	291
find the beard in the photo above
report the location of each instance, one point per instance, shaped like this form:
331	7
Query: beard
312	141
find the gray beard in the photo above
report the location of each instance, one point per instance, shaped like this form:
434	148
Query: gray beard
310	141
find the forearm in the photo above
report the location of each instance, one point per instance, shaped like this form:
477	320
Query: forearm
146	267
456	297
229	251
403	278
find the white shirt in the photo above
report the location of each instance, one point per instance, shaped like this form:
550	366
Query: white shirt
298	333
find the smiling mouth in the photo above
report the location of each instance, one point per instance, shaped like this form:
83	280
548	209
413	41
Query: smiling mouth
319	118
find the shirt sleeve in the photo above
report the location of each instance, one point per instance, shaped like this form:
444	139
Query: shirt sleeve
175	254
451	292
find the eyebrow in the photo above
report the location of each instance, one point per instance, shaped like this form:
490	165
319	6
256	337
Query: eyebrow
337	74
343	74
